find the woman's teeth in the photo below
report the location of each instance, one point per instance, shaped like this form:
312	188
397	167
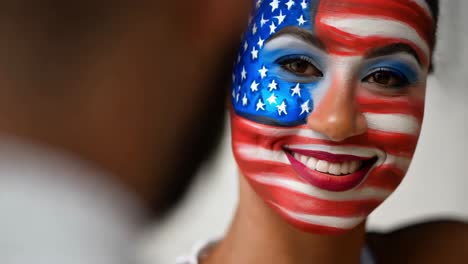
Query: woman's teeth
342	168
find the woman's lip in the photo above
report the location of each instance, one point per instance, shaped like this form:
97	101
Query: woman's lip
326	156
330	182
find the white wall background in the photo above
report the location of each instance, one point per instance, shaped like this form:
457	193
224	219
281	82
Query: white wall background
436	185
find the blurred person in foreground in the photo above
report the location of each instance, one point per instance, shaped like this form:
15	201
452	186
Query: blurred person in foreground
327	105
103	113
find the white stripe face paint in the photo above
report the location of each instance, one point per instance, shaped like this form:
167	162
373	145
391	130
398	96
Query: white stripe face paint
401	163
365	193
393	123
329	221
251	152
377	27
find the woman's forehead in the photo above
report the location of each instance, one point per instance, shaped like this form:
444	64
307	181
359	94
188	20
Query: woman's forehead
350	27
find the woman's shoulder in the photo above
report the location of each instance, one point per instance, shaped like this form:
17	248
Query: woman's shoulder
443	241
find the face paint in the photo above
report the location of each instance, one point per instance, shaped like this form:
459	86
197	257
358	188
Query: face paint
306	72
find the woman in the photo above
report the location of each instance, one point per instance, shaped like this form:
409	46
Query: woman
327	106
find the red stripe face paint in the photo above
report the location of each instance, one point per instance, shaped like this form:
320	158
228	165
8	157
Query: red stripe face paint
328	103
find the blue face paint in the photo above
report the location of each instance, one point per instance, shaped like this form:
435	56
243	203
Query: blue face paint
399	68
274	59
263	91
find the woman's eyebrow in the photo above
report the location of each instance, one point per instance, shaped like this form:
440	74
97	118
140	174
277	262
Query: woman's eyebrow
392	49
300	33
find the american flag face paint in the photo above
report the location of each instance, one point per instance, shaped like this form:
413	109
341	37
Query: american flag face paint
327	105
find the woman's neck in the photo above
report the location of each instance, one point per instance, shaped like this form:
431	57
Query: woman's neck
258	235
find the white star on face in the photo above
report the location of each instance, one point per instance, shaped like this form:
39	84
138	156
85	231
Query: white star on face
263	72
254	86
244	100
263	21
290	3
272	28
272	99
238	58
260	105
254	29
274	5
260	42
280	18
305	107
246	46
304	4
233	93
243	73
301	20
237	98
296	90
273	85
254	53
282	109
233	77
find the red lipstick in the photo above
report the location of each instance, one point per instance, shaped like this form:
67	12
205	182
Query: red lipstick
327	181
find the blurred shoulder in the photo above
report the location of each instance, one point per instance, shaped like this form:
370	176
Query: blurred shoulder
444	241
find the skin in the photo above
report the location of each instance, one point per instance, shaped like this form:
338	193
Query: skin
350	96
262	232
118	84
443	241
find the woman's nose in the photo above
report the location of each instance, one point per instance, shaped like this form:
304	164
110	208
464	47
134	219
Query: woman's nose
337	116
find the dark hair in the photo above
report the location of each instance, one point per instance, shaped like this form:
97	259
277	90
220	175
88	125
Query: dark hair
434	6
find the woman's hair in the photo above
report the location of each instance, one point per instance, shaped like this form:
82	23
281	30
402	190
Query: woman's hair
434	6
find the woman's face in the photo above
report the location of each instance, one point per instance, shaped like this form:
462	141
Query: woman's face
328	101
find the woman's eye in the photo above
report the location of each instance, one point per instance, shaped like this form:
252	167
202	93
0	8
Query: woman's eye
301	68
386	78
